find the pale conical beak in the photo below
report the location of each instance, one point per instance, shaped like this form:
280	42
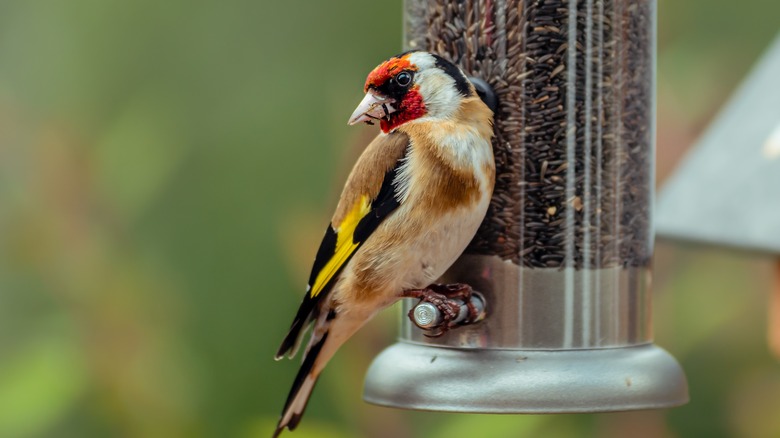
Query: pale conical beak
372	107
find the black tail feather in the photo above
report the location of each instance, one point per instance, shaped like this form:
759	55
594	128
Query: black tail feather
306	313
291	339
303	372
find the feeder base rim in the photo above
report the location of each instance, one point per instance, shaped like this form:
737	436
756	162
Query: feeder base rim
413	376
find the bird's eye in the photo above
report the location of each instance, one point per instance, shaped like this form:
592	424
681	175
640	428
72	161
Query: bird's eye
403	79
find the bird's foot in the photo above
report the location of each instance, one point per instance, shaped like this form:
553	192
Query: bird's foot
448	301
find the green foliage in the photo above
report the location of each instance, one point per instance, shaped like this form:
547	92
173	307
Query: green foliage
39	384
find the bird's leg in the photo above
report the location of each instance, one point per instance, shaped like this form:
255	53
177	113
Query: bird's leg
448	299
459	291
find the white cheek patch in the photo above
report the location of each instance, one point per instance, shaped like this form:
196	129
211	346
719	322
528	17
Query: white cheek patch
440	96
438	89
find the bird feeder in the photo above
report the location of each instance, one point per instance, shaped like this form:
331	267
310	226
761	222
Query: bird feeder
727	190
562	259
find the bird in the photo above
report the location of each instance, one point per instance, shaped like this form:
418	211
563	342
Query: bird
410	206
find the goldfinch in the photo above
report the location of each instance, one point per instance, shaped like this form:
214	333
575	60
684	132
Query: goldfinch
411	204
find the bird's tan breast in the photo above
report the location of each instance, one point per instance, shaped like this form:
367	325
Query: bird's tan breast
448	181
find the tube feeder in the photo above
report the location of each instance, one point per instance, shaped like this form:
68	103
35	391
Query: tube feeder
562	260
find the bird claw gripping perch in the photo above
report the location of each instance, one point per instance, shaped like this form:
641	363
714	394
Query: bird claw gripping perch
442	307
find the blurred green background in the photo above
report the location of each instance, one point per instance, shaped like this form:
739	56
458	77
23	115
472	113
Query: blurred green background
167	169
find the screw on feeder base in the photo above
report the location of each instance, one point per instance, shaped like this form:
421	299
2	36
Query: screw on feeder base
427	316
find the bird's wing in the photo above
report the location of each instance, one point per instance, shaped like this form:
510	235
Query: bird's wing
368	198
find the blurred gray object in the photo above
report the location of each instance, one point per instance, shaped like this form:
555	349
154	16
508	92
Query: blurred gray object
727	190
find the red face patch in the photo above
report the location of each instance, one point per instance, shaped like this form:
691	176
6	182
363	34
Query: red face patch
386	70
412	107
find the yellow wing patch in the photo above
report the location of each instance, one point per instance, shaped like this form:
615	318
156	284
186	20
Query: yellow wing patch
345	245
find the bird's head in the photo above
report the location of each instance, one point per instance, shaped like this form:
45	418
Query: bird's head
411	86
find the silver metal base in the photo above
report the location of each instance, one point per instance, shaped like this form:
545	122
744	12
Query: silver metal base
413	376
547	308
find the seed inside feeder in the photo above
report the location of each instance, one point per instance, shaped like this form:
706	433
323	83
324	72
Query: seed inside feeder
574	127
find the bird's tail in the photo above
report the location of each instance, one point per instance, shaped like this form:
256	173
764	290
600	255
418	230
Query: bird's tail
329	333
301	388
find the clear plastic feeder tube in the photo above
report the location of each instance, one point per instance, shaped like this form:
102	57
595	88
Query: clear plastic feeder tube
563	256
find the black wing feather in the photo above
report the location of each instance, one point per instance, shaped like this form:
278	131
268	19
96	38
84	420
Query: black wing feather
307	307
386	202
381	207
